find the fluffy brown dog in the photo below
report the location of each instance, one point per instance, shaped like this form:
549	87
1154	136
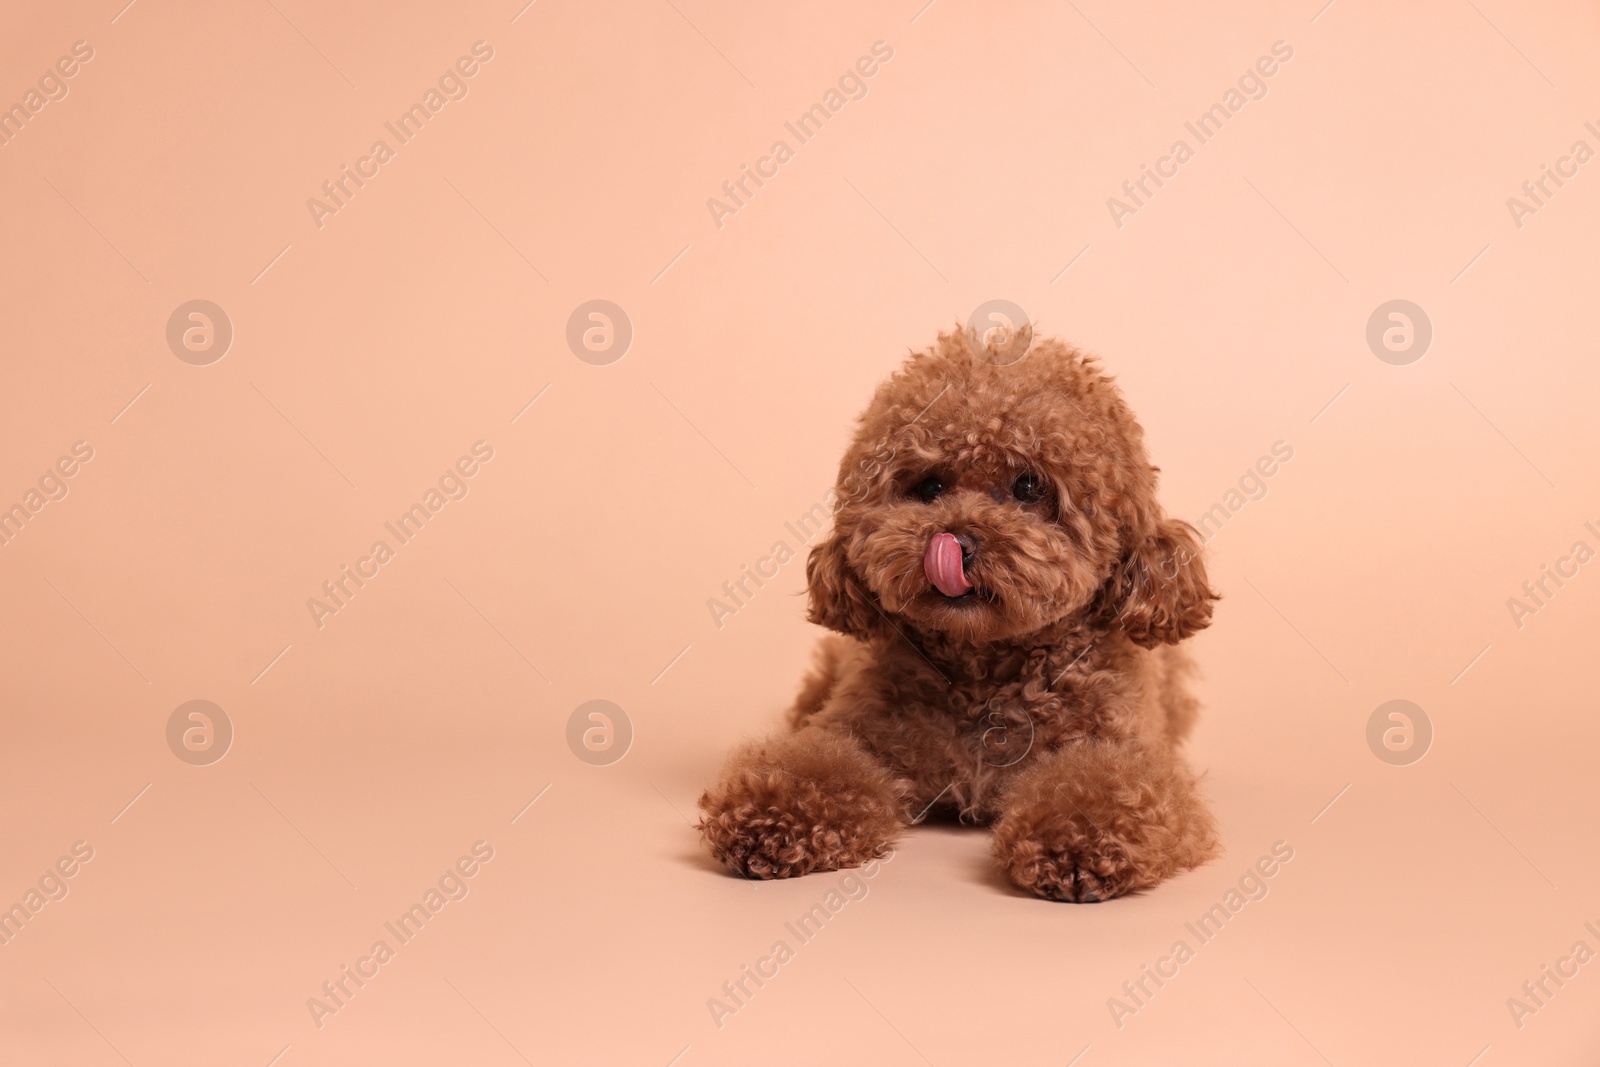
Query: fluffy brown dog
1008	591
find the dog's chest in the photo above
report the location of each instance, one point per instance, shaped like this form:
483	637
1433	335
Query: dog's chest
1021	713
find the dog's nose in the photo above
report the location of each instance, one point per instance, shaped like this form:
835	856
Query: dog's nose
968	543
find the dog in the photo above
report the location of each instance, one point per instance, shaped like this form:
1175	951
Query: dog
1007	597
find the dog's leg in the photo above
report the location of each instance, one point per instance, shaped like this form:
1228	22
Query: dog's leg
1092	821
813	800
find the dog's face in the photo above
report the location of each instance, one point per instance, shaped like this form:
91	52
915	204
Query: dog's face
987	502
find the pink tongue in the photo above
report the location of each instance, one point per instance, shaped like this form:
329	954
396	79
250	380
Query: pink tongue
942	563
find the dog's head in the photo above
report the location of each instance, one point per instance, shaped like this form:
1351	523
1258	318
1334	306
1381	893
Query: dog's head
986	502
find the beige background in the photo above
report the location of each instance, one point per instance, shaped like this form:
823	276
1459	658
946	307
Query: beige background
368	354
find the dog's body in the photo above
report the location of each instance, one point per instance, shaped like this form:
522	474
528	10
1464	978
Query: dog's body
1008	592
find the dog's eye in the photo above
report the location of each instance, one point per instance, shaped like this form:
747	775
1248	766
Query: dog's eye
1028	488
929	489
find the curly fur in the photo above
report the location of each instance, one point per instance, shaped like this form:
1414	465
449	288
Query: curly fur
1048	703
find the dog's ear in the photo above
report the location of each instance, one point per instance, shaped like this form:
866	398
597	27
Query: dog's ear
1158	593
838	600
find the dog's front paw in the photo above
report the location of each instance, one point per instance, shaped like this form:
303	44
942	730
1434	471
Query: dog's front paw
805	834
1064	864
1093	822
802	804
